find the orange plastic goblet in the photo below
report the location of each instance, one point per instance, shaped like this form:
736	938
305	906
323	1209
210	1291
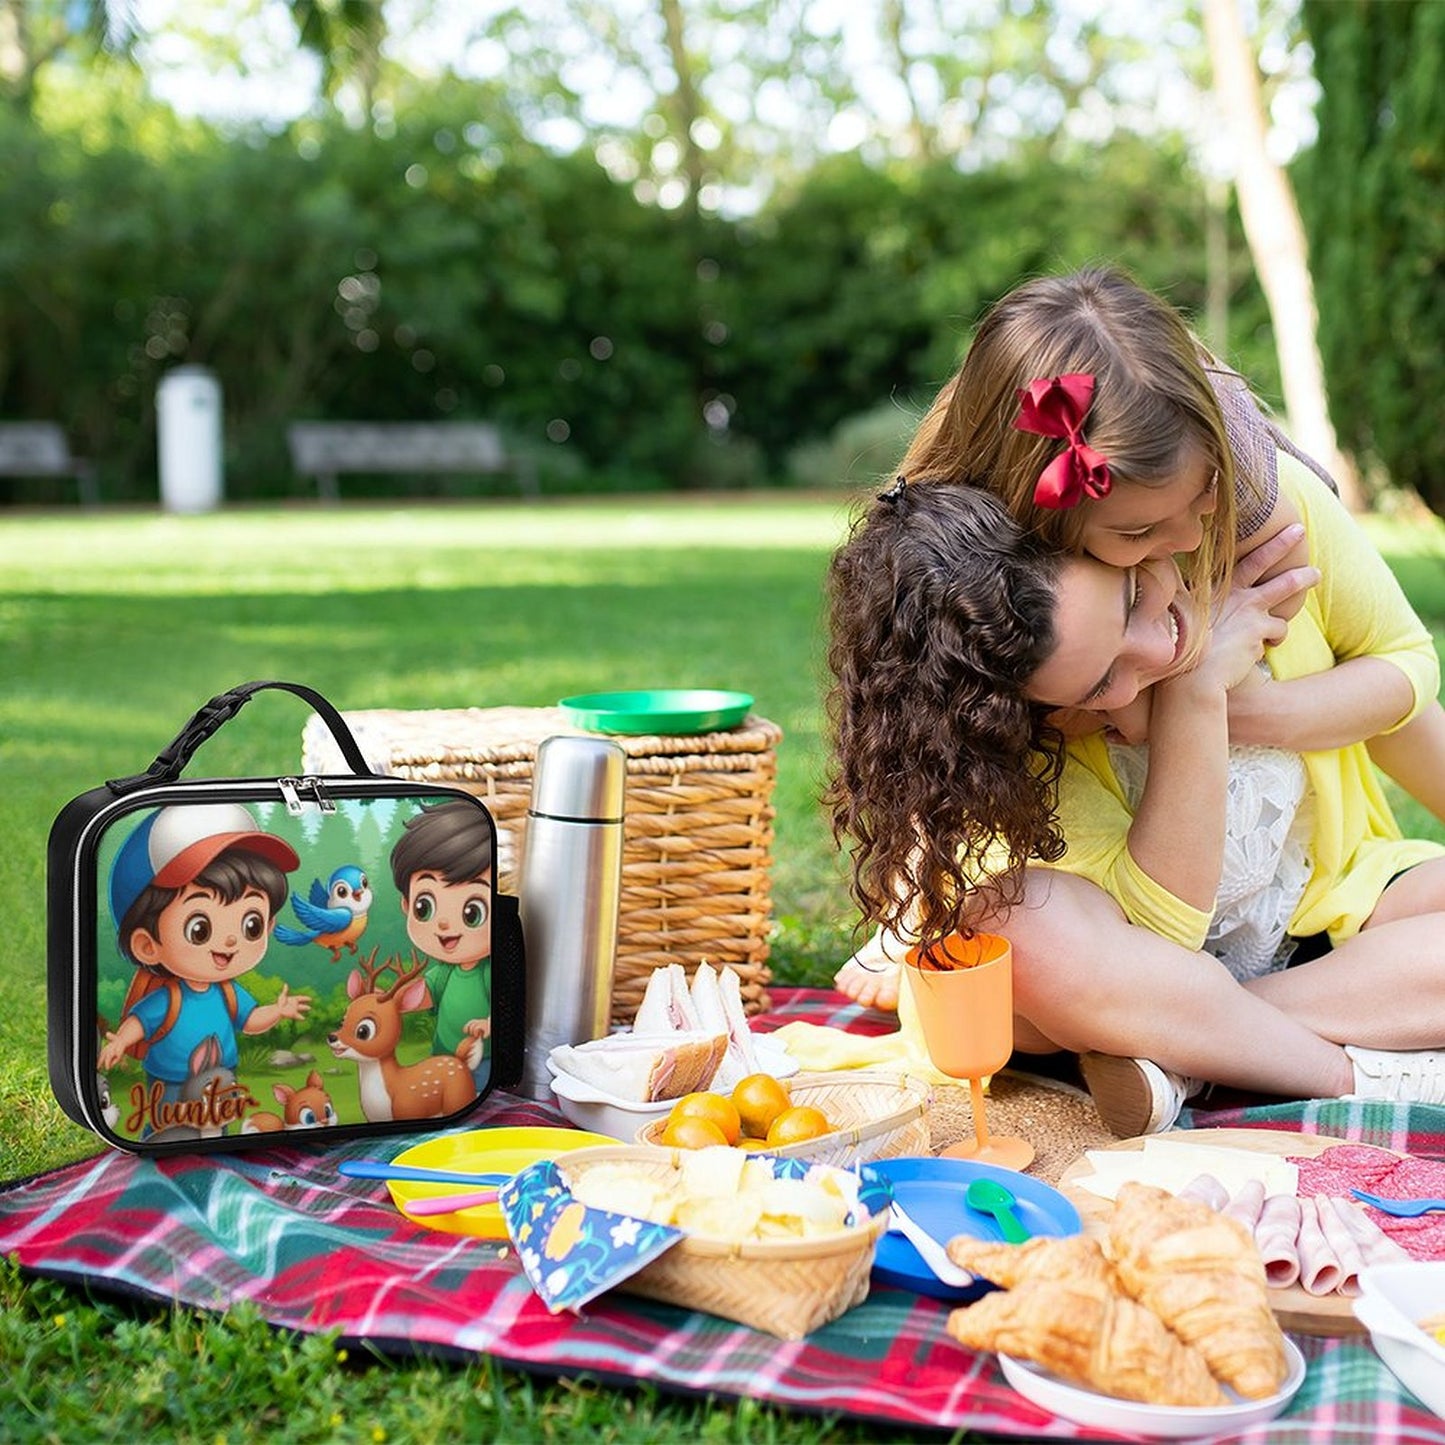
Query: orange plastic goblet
963	990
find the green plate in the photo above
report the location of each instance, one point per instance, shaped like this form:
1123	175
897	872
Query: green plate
660	710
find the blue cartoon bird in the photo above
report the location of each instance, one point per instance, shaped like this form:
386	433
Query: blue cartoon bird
334	915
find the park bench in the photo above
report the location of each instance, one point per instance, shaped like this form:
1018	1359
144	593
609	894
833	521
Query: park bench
39	449
326	450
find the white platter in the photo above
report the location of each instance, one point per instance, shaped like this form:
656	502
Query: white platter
1158	1422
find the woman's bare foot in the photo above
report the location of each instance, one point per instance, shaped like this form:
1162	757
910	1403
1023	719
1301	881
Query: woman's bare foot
870	977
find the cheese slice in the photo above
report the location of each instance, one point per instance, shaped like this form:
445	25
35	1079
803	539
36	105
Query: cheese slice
1171	1163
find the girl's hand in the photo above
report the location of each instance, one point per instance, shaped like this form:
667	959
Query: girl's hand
1297	555
1246	621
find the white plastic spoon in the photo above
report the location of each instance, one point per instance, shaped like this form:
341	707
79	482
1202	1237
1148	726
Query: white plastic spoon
930	1250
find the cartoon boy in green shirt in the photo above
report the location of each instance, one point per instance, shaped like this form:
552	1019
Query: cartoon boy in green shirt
442	866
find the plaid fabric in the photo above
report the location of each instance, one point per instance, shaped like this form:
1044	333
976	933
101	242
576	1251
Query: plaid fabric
315	1251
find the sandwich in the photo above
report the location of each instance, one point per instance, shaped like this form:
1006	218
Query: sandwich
667	1006
645	1068
718	1002
713	1003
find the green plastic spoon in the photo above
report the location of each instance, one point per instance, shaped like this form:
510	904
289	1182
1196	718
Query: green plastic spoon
988	1196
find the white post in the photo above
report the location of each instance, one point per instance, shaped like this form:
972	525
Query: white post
188	426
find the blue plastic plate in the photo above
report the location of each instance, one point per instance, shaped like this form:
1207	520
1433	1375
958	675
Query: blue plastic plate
661	711
932	1191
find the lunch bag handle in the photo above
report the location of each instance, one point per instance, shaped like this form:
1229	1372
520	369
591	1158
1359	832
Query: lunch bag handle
221	709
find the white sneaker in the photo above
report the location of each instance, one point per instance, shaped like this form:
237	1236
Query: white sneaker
1135	1096
1407	1076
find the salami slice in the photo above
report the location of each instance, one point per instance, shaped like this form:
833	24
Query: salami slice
1345	1167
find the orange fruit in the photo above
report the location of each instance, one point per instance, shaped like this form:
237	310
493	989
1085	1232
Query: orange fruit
715	1108
692	1133
795	1124
760	1098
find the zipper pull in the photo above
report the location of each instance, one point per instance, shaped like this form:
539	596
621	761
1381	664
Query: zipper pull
291	794
327	805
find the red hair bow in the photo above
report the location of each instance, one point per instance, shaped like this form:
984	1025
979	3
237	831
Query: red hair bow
1056	407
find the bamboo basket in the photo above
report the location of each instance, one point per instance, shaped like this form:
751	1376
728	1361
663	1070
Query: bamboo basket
876	1116
697	836
786	1288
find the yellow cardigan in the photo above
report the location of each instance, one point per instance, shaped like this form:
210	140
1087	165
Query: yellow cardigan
1357	610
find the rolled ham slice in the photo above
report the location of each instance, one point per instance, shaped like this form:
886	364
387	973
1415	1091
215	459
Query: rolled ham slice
1341	1242
1207	1190
1247	1204
1276	1234
1320	1270
1376	1247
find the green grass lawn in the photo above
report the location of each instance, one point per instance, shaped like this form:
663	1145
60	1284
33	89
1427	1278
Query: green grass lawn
114	628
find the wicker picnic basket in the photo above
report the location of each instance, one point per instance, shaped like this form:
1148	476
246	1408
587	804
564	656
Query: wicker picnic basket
697	836
876	1116
785	1287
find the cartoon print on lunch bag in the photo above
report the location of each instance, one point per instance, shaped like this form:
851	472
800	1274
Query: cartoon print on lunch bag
442	867
194	891
230	989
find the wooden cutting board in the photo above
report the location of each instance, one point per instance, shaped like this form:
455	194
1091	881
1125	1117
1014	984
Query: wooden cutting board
1295	1308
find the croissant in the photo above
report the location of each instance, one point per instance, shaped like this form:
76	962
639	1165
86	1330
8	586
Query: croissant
1079	1256
1201	1273
1090	1335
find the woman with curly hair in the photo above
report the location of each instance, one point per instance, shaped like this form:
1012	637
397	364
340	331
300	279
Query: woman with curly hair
957	638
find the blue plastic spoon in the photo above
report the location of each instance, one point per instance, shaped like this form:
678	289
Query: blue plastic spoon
381	1169
1401	1208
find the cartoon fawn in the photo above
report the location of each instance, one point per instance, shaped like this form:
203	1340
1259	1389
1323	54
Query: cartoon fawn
307	1107
370	1033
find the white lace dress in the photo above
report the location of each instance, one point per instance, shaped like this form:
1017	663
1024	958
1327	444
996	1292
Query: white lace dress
1266	852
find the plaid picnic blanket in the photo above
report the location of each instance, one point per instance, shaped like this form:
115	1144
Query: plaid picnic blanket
315	1251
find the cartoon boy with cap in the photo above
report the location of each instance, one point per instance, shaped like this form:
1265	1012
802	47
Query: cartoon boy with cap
194	892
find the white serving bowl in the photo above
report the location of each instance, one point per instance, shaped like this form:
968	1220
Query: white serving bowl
588	1107
1393	1299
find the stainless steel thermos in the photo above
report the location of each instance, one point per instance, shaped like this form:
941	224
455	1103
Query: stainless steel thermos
571	883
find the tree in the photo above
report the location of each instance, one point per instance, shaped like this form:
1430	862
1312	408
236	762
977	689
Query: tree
346	36
1276	241
34	33
1371	192
1014	74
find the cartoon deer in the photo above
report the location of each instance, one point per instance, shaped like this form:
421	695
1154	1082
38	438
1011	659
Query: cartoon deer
308	1107
370	1033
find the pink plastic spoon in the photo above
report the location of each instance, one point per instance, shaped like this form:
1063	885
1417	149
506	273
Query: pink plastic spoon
450	1203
